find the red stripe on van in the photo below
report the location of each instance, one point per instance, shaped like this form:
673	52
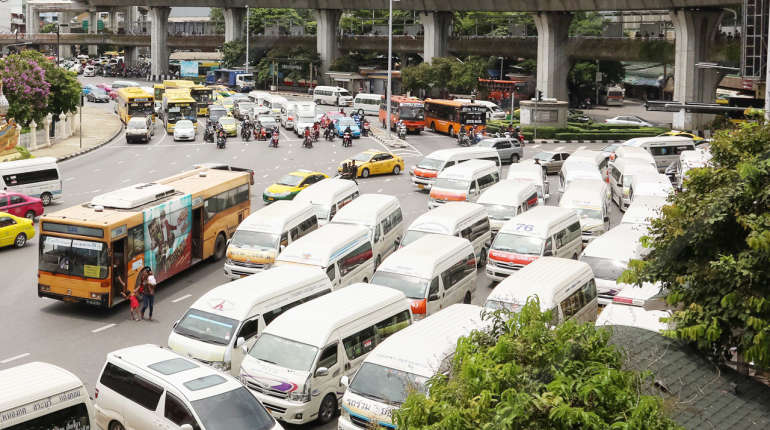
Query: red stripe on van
512	257
425	173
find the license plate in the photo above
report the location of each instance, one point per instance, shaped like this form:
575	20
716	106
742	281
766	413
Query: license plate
420	186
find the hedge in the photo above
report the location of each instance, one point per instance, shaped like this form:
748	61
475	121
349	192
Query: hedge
580	131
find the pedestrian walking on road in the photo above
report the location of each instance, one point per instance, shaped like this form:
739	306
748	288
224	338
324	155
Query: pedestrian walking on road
148	284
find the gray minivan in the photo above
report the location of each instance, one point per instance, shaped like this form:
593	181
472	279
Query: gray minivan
509	149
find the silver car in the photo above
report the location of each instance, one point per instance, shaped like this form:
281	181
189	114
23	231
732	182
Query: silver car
551	161
139	128
509	149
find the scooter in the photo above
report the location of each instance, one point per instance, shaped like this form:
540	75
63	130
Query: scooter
347	140
463	140
245	132
402	132
329	135
221	140
365	130
208	134
308	142
316	134
274	140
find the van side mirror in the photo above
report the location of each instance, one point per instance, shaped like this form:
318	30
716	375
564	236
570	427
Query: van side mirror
244	350
345	381
433	297
606	219
321	371
283	247
548	253
175	324
239	342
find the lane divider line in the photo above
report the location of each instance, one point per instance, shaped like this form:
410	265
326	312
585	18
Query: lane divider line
186	296
108	326
14	358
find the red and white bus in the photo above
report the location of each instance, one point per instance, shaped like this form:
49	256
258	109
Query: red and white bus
408	109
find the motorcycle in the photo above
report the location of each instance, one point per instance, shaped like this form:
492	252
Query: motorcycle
402	132
274	140
521	138
316	134
308	142
208	134
329	134
463	140
245	131
260	133
221	140
347	140
365	130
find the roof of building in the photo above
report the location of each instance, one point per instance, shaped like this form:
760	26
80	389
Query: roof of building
700	394
190	56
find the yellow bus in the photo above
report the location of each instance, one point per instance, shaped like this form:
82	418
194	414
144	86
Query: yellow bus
133	101
203	97
169	84
88	251
178	104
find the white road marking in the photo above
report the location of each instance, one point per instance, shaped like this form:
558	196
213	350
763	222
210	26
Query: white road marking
120	162
96	191
124	181
14	358
108	326
266	175
581	147
186	296
536	146
97	170
152	171
380	190
558	148
69	179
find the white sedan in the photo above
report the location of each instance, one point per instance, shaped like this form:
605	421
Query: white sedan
629	120
184	130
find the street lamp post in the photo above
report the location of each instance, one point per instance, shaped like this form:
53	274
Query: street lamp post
501	67
57	44
247	39
390	62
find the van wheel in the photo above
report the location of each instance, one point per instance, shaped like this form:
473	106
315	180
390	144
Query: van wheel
483	258
116	426
328	409
20	241
467	298
396	169
46	198
365	173
514	158
377	261
220	247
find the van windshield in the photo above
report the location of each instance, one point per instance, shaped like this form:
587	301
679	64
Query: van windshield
430	163
254	240
411	236
411	286
508	242
500	212
321	211
237	409
589	213
605	268
453	184
206	327
499	304
284	352
386	385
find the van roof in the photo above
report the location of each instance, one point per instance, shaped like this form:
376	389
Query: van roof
586	155
639	141
365	208
633	152
446	218
273	218
642	208
145	356
421	347
467	169
313	322
580	169
621	243
235	299
20	164
541	218
519	171
421	257
445	154
633	164
324	244
369	96
30	382
584	192
325	190
543	277
507	192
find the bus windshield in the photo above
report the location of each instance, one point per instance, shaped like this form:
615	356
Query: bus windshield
472	117
85	258
175	113
411	112
140	108
201	96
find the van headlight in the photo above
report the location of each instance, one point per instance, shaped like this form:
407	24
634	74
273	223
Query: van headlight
304	395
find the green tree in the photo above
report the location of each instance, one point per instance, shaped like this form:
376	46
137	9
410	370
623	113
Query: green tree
48	28
299	56
416	79
711	248
234	54
525	374
218	19
586	24
259	17
581	79
65	89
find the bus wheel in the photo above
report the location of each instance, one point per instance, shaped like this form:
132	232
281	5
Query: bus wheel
220	246
433	127
46	198
451	131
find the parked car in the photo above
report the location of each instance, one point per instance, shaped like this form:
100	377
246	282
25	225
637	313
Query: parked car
229	125
139	128
15	230
184	130
21	205
508	148
551	161
629	120
97	95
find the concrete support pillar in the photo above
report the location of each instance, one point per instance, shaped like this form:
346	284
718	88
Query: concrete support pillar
159	40
327	44
114	20
93	28
695	31
65	51
33	19
552	58
129	19
436	31
235	22
132	55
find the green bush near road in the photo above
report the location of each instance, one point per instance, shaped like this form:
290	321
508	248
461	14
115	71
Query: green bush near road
580	131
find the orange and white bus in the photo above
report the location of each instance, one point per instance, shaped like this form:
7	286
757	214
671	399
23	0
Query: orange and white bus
447	116
408	109
88	251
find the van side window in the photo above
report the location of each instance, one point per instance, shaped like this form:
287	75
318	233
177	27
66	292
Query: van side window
548	245
391	221
448	164
359	343
285	239
486	181
561	238
308	225
333	211
328	357
479	228
355	258
473	187
176	412
249	329
433	290
388	326
615	173
579	299
573	232
330	272
458	271
31	177
132	387
466	233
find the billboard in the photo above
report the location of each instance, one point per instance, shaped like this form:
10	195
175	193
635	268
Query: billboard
167	241
188	68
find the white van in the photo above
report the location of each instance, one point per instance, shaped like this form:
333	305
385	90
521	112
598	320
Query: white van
622	172
369	104
258	97
381	214
634	152
304	116
609	254
425	172
288	115
149	387
643	210
296	365
655	184
687	160
589	198
540	231
664	149
534	173
506	199
467	220
231	315
332	96
35	177
328	196
276	105
261	236
402	364
463	182
434	271
641	307
494	112
565	287
576	172
343	252
43	396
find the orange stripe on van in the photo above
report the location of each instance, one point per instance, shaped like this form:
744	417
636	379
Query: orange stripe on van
425	173
443	195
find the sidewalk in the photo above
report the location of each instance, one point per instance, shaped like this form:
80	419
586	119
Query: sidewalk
100	127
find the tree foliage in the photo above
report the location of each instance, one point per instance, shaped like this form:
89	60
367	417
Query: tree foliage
25	87
64	94
446	73
586	24
581	79
524	374
300	56
711	249
218	19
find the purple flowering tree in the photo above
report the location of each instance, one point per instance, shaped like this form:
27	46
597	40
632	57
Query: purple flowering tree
26	88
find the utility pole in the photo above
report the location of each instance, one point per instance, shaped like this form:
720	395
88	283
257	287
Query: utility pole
390	64
247	39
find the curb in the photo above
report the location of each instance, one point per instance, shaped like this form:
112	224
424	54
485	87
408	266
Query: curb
87	150
544	141
395	144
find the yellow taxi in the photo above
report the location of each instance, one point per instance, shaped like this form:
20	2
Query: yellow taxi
230	125
375	162
15	230
694	137
289	185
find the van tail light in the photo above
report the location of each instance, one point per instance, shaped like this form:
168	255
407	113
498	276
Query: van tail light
419	307
96	393
291	118
628	301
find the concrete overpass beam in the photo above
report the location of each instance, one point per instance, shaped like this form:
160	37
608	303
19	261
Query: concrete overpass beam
159	40
436	29
65	51
93	28
234	23
327	44
552	58
695	31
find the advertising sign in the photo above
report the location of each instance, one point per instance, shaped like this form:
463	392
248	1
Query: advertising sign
188	68
168	248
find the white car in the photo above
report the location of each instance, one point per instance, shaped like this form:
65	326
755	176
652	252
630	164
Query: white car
89	71
184	130
629	120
